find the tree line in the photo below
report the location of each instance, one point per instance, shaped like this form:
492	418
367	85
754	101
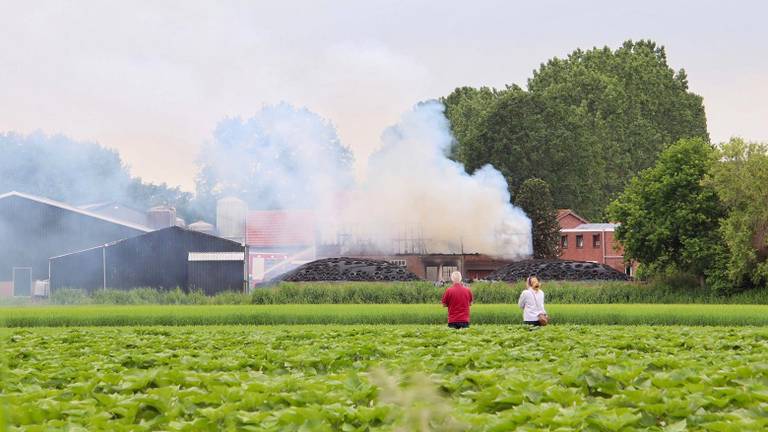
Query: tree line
702	209
617	135
585	125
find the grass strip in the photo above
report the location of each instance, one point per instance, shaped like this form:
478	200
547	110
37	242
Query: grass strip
146	315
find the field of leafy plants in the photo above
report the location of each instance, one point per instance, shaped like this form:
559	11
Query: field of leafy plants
358	378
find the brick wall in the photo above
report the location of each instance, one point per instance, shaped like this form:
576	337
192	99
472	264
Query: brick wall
598	246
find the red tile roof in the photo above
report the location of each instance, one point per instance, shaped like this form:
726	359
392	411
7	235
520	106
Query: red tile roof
280	228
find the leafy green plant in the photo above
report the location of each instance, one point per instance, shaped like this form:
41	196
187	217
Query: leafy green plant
363	378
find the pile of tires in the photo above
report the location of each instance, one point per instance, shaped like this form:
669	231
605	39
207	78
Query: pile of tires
348	269
557	270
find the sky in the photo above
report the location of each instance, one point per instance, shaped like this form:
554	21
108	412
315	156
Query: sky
152	79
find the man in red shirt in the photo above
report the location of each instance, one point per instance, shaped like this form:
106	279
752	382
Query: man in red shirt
457	299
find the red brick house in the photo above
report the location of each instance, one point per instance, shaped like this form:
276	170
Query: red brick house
581	240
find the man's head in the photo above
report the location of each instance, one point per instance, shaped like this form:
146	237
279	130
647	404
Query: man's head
456	277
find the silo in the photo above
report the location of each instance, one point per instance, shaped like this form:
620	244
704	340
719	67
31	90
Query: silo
203	227
161	217
230	218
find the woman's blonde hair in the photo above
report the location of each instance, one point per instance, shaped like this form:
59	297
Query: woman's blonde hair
534	282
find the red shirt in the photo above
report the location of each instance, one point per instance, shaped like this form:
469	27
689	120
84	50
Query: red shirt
457	298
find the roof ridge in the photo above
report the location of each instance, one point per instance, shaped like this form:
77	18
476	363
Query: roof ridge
74	209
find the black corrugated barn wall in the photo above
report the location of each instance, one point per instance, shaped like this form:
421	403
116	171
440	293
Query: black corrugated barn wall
158	259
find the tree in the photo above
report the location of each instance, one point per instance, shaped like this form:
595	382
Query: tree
467	109
740	178
75	172
60	168
528	136
586	124
669	216
536	201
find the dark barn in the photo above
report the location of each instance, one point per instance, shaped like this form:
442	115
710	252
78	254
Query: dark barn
33	229
161	259
213	272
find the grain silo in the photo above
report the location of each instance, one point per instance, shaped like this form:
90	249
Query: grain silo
230	218
161	217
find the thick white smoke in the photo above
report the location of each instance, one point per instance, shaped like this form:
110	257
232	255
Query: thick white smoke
288	158
412	189
281	158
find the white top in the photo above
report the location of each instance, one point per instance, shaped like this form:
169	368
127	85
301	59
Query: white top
532	304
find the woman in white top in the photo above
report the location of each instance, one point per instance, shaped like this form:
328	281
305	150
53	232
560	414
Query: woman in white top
532	303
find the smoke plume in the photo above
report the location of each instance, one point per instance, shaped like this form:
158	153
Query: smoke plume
281	158
289	158
413	191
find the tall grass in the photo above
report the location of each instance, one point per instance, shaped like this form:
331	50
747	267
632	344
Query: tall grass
100	315
418	293
560	292
141	296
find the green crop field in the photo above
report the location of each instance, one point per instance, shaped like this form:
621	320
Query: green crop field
358	378
102	315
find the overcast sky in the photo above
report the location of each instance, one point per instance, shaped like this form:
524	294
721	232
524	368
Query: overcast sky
152	78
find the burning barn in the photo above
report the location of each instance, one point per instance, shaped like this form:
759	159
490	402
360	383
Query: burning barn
164	259
33	229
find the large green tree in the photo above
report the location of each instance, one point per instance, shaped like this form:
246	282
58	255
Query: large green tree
669	215
535	199
638	103
467	109
586	124
528	136
741	180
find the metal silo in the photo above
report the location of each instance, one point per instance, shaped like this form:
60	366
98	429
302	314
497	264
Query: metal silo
230	218
161	217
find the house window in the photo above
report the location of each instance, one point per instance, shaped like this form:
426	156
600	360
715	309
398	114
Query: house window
399	262
564	242
595	241
579	241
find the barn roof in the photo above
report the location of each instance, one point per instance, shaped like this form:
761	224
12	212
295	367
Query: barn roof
280	228
175	229
63	206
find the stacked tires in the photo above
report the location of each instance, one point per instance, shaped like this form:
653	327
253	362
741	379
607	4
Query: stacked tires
349	269
557	270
